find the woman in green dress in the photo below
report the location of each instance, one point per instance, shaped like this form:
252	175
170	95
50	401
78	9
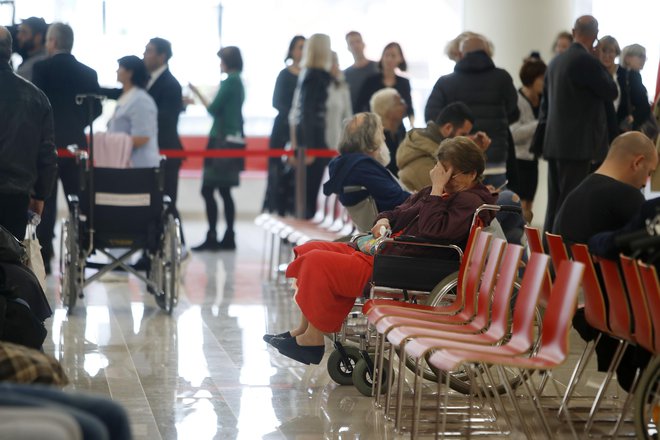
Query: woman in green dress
226	132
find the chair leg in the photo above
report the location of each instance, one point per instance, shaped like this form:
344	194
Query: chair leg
601	391
514	401
581	364
626	405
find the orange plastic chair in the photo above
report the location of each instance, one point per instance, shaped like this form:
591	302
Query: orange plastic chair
595	314
643	331
521	335
536	245
557	250
554	340
649	278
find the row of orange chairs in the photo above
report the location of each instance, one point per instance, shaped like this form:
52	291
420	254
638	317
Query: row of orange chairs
633	305
459	338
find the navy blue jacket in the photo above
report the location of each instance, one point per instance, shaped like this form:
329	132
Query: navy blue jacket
358	169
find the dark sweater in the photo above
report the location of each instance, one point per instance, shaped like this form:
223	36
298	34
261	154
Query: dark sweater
600	203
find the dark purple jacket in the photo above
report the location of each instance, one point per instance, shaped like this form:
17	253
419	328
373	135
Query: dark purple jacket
444	219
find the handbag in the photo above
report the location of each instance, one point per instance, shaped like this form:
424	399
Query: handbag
35	261
229	164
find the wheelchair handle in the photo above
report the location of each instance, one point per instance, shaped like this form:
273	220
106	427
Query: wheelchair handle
510	208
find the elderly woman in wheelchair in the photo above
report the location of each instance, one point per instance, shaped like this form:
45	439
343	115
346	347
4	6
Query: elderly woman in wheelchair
329	276
361	166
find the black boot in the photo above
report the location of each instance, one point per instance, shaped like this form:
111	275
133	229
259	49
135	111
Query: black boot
210	244
228	242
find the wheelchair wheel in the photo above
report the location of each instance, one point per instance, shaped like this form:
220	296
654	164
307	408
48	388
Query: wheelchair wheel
70	272
646	411
363	381
339	370
170	264
444	292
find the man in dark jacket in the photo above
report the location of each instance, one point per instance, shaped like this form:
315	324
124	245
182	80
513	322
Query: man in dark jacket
28	168
61	77
489	93
166	91
577	88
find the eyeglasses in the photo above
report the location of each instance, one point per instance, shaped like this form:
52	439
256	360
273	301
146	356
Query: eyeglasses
457	174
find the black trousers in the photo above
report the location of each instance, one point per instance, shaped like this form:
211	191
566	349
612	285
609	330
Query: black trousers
14	213
69	174
563	177
172	167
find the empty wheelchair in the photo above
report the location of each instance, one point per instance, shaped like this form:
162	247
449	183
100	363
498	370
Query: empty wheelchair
120	211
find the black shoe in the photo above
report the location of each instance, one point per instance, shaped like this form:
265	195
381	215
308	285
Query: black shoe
227	243
210	244
311	354
268	337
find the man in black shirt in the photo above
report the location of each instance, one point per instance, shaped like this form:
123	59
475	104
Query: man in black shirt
610	197
605	201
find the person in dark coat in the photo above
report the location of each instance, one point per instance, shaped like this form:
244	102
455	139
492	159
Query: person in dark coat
362	163
29	158
166	92
491	96
279	189
61	77
307	117
573	116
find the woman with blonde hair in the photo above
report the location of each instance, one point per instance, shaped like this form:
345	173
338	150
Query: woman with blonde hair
308	115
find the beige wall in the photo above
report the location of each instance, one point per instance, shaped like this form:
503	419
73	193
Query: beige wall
516	27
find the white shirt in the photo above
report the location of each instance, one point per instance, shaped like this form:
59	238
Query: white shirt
155	74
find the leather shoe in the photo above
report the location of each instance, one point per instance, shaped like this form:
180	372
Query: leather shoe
269	337
289	347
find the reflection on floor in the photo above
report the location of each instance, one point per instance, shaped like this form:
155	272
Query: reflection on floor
204	372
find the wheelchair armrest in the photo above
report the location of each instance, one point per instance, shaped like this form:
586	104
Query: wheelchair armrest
409	240
72	199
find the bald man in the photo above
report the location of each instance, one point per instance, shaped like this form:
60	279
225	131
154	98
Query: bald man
490	95
609	198
577	90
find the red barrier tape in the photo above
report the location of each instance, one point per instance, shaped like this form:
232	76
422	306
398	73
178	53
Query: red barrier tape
63	152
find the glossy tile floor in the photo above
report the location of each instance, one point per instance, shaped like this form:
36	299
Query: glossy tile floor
204	372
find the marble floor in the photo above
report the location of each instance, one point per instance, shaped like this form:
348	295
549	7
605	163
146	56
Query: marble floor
204	372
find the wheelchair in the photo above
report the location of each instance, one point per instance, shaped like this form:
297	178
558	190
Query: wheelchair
429	281
123	210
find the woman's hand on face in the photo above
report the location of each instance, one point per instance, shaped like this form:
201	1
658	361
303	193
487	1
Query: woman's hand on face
376	230
439	178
